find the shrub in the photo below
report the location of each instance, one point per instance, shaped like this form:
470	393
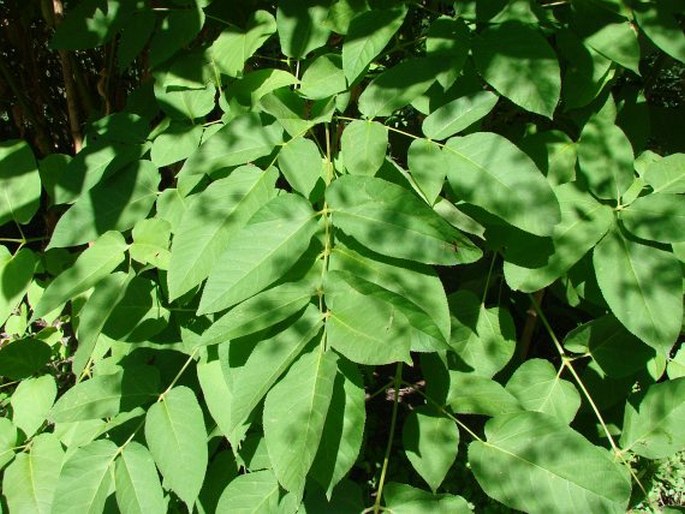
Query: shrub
341	256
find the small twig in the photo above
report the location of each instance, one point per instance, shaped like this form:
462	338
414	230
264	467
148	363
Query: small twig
566	362
393	421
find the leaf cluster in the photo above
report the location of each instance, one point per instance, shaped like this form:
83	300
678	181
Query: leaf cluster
330	255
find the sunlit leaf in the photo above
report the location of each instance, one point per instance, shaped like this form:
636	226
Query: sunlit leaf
260	252
369	33
539	387
175	433
488	171
430	442
294	416
654	425
643	287
550	467
86	479
94	264
363	145
392	221
519	63
209	223
30	481
252	493
138	489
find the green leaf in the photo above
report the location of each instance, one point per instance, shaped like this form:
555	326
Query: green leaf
301	26
342	434
617	352
554	153
185	105
210	222
605	158
398	86
88	167
643	287
134	36
294	415
252	493
260	312
8	441
242	140
676	366
88	25
475	394
413	322
296	114
589	73
549	467
405	499
175	144
390	220
217	389
428	166
517	61
364	328
260	252
539	387
449	39
176	436
618	42
367	36
584	221
117	203
654	426
301	163
31	402
86	479
414	289
667	175
267	361
139	315
234	47
458	115
138	490
430	442
342	12
323	78
104	396
94	314
660	24
19	182
151	242
178	28
24	357
657	217
487	170
16	274
94	264
484	338
30	481
255	85
363	145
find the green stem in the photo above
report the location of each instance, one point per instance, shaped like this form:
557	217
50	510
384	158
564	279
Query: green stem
487	280
566	362
191	358
446	413
380	390
393	421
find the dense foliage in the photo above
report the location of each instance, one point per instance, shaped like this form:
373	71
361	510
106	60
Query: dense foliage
341	255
